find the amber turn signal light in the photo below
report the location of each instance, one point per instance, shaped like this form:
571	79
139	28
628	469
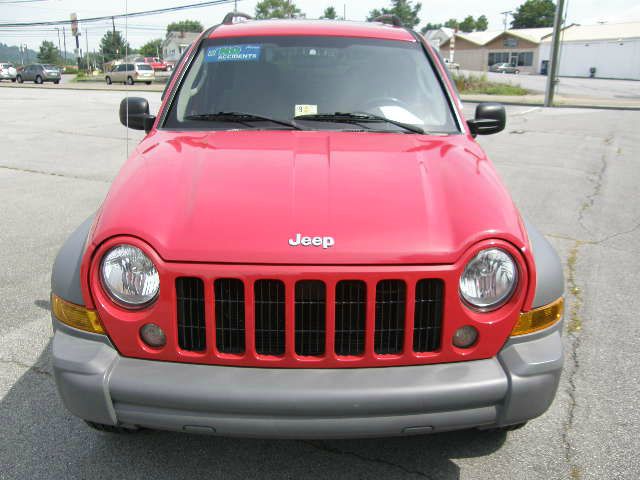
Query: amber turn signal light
76	316
539	318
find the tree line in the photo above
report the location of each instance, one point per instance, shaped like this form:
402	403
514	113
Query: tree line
531	14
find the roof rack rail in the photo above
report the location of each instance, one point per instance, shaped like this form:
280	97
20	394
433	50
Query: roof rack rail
389	19
231	16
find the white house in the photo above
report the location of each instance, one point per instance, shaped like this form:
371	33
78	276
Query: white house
613	49
175	44
439	36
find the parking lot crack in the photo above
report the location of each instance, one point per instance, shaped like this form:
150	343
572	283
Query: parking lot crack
573	329
33	368
53	174
337	451
599	178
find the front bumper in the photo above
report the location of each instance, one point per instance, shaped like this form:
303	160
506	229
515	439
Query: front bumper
98	384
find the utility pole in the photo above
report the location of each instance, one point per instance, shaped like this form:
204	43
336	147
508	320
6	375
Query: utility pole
506	18
113	24
59	46
344	11
552	79
64	37
86	50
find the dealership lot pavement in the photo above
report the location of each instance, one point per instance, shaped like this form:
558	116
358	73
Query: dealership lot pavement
572	172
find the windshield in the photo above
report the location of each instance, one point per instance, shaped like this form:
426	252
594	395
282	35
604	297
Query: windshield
50	67
287	78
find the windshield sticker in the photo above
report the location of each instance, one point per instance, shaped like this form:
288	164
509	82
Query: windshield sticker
233	53
305	110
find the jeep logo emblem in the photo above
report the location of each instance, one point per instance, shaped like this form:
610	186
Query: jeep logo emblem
324	242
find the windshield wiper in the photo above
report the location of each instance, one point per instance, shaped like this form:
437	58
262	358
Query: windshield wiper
239	117
358	117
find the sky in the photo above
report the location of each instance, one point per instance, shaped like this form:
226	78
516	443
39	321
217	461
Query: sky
146	28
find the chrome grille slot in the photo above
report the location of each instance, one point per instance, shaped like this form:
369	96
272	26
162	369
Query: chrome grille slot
191	314
390	313
427	320
351	317
230	325
269	317
310	308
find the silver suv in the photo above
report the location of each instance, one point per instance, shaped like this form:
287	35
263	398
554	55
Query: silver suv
130	73
39	73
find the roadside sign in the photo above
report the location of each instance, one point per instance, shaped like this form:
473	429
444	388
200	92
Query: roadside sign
74	25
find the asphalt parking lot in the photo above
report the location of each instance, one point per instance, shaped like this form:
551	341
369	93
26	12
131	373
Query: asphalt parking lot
573	172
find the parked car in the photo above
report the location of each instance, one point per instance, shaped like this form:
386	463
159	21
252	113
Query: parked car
130	73
504	68
39	73
157	64
7	72
308	243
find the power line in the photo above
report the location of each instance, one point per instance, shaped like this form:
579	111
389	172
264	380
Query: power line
7	2
120	15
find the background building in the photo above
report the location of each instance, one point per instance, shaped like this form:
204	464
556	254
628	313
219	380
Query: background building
613	49
479	50
175	44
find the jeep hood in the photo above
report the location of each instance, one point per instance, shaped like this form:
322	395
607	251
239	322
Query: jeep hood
238	197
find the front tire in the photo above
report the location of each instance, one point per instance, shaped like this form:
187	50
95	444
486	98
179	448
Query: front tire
56	82
147	83
38	80
110	428
517	72
129	80
108	80
13	80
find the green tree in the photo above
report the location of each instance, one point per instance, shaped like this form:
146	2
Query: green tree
276	9
185	26
113	46
403	9
430	26
49	53
534	14
482	24
468	24
451	23
153	48
330	13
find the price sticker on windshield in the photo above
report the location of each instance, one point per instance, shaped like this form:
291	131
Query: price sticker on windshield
305	110
233	53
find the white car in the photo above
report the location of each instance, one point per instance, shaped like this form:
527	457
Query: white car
8	72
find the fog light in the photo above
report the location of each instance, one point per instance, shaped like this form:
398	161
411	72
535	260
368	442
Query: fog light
153	335
465	337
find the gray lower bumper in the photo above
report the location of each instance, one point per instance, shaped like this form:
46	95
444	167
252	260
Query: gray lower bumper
98	384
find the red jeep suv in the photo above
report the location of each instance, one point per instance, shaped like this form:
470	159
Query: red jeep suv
308	243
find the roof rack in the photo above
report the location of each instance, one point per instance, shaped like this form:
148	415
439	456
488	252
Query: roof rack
231	16
390	19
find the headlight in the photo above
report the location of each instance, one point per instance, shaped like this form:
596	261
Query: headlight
489	279
129	276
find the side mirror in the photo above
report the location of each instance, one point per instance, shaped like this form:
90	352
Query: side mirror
490	118
134	113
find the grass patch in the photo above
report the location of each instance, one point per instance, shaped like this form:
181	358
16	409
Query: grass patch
469	84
